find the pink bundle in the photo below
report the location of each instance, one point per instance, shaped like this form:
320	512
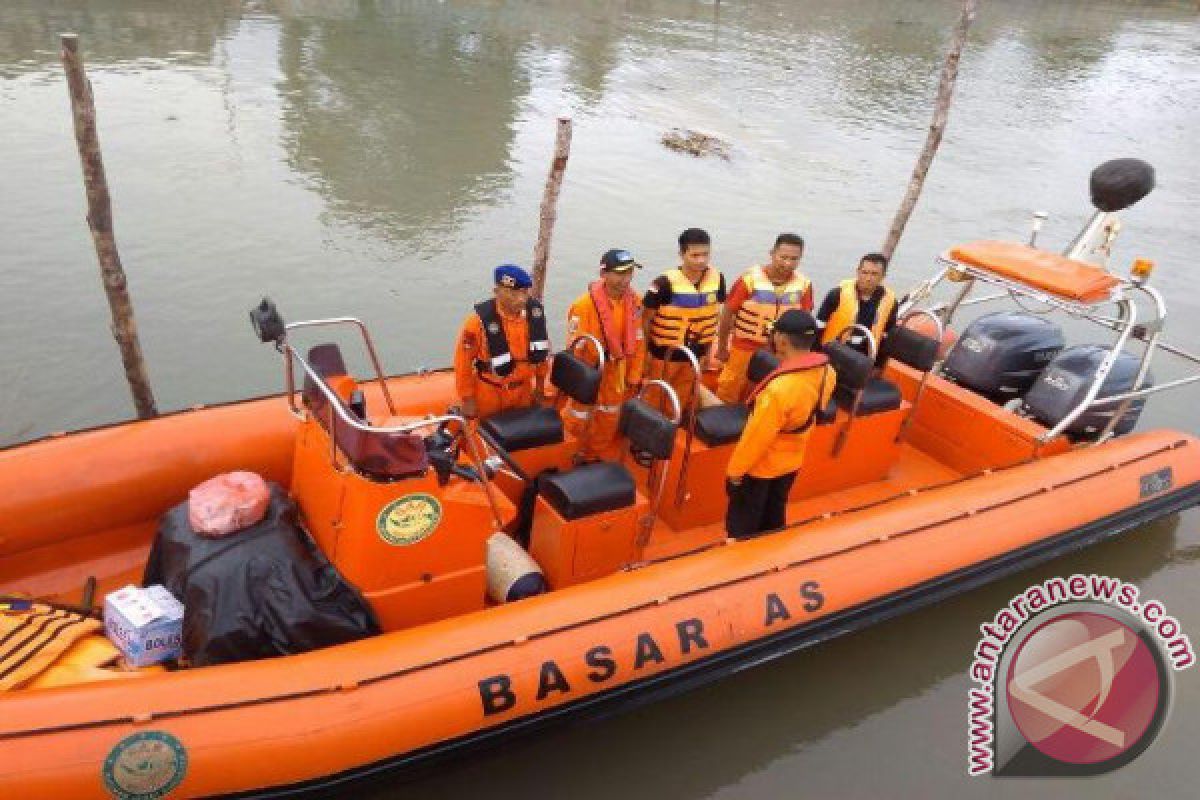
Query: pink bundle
227	503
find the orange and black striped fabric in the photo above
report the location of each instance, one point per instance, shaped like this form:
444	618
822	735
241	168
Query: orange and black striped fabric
32	641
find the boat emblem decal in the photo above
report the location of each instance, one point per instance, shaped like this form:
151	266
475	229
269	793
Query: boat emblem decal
145	766
1155	482
974	345
409	519
493	328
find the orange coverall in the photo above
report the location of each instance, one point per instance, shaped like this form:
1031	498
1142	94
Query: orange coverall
493	393
765	450
616	380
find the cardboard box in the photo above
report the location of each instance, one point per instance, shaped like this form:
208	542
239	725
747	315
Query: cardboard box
146	624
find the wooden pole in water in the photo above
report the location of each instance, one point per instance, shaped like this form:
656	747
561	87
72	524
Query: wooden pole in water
541	251
936	127
99	217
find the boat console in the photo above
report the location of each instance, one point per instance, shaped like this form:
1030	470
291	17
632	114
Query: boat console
385	496
591	520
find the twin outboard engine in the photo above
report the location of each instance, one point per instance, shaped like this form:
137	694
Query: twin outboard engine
1001	355
1065	381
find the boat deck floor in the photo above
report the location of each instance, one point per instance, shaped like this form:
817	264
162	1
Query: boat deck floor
913	469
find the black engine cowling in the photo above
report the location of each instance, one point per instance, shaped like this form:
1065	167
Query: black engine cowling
1065	381
1000	355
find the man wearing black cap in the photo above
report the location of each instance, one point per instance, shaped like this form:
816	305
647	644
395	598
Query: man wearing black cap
770	452
500	362
611	312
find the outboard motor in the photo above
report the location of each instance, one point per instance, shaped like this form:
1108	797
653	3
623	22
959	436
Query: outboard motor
1065	381
1000	355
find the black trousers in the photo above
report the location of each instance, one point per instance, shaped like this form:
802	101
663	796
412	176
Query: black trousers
757	505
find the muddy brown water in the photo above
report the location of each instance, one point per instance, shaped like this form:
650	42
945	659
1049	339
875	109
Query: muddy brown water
375	159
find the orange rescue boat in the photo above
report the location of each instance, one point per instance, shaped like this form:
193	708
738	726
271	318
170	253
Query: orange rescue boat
918	485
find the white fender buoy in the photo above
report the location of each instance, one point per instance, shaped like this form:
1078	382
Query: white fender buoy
512	574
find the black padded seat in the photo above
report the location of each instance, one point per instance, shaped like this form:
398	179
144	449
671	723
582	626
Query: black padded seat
589	489
854	376
910	347
878	395
718	425
762	364
578	379
524	428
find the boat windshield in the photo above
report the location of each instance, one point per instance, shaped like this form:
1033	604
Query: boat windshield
379	454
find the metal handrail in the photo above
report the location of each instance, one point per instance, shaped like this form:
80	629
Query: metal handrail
1129	318
366	335
669	391
1123	325
690	428
1144	367
591	409
873	346
1149	390
924	312
335	405
1078	309
595	343
912	410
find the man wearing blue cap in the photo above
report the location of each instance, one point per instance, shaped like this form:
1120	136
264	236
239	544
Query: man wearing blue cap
501	359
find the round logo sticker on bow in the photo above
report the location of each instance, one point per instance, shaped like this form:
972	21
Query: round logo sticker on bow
145	766
409	519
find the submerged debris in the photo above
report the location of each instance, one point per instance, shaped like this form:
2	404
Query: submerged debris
685	140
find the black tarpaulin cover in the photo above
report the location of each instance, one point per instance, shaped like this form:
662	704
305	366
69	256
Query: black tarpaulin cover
261	592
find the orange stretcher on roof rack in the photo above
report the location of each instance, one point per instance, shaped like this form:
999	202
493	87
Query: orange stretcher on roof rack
922	480
1030	267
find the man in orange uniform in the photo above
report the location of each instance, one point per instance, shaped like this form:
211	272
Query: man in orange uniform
500	361
682	307
758	299
611	312
766	459
861	300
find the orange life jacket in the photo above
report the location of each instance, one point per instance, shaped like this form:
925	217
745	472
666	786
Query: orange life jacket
690	318
618	344
765	303
846	314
